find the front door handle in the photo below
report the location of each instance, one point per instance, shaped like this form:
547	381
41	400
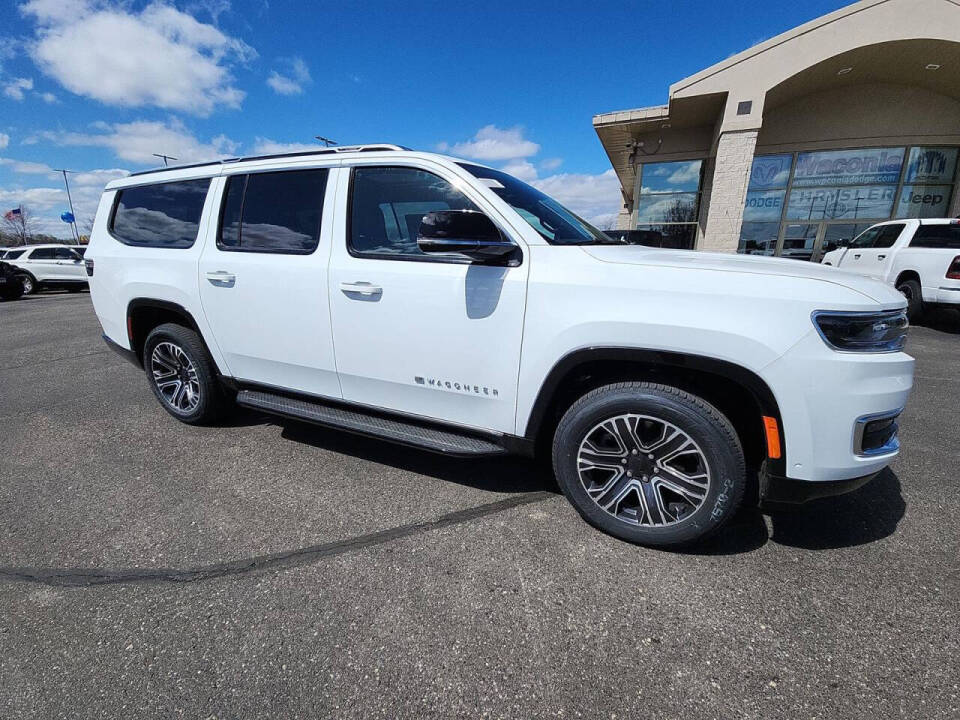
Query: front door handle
881	257
361	288
221	278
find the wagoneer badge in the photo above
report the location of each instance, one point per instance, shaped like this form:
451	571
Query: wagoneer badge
457	386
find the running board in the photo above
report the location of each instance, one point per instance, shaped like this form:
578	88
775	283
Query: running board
355	421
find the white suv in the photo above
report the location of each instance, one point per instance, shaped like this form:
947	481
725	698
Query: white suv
442	304
45	266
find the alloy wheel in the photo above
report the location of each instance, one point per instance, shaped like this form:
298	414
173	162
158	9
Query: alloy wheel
175	377
643	470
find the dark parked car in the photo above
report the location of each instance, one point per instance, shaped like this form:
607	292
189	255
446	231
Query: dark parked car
11	284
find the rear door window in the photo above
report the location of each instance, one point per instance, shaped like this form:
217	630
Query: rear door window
43	254
164	215
888	235
275	212
937	236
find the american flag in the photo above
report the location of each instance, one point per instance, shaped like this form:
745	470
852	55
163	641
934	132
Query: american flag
12	214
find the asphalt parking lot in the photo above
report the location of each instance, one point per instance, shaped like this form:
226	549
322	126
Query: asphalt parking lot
266	568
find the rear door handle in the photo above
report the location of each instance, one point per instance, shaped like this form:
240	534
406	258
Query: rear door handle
857	256
221	278
881	257
361	288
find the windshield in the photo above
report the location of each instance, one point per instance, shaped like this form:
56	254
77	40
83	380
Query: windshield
552	220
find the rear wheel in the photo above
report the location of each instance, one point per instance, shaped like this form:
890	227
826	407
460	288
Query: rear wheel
182	376
649	463
910	289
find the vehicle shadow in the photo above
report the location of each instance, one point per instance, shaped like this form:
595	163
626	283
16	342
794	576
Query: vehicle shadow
870	513
508	474
866	515
942	320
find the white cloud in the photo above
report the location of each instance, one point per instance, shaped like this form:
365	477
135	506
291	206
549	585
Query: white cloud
158	57
4	140
687	172
295	75
48	97
492	143
596	198
46	203
138	141
266	146
15	88
521	169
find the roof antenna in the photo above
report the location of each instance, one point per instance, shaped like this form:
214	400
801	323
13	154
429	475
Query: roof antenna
327	142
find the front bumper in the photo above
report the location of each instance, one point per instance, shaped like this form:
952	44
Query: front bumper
826	399
776	491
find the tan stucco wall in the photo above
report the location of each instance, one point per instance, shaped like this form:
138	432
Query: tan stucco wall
859	116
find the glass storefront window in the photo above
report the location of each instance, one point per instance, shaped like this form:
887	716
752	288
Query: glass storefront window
865	166
763	205
770	172
841	203
924	201
680	237
759	238
931	166
668	200
795	200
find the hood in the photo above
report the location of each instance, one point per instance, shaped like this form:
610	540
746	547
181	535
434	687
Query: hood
753	264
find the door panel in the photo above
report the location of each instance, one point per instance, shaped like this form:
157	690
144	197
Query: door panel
69	265
421	335
268	310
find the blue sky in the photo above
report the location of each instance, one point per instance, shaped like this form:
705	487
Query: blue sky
98	85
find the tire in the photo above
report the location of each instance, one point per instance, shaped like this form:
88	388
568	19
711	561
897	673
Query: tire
29	283
914	295
182	376
694	448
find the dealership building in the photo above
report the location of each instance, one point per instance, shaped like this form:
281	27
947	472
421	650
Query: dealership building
803	140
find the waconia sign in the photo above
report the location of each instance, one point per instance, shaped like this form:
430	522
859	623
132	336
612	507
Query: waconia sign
866	166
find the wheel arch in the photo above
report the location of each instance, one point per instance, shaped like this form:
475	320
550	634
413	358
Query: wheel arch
739	393
144	314
907	275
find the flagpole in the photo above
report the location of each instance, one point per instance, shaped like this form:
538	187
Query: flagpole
76	232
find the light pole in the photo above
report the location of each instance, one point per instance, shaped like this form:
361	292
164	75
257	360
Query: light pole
165	157
76	233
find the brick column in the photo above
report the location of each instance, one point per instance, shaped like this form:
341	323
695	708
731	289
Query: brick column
731	174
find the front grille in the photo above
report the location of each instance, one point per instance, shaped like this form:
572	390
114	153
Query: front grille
876	434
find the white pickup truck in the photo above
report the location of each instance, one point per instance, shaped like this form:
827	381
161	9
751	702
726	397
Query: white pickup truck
921	258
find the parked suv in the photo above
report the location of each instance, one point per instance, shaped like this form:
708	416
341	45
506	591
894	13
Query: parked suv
449	306
921	258
45	266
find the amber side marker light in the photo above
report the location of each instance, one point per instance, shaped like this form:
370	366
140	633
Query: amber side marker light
773	437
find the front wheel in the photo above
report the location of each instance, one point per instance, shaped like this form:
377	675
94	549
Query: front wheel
649	463
182	376
911	290
28	283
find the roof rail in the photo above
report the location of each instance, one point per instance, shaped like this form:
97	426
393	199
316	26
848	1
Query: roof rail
375	147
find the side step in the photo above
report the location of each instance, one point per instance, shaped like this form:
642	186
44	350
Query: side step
398	431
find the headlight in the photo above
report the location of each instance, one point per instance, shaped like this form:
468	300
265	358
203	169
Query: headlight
863	332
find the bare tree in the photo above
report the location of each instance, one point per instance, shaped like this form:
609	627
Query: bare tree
20	224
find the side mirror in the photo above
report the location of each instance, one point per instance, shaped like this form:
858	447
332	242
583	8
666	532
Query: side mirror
466	232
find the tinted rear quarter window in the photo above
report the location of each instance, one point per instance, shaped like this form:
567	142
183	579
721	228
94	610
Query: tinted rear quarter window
13	254
275	212
937	236
165	215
